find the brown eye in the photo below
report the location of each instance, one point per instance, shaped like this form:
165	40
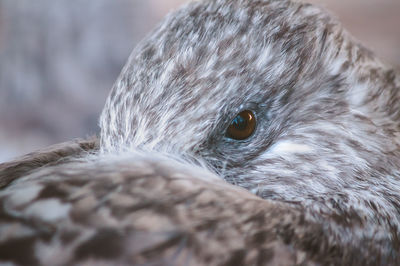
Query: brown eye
242	126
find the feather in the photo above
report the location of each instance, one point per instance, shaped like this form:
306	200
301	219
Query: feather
315	183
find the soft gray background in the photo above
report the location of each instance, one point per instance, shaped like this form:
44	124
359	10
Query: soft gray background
59	58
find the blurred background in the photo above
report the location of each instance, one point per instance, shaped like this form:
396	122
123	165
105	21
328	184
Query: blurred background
59	59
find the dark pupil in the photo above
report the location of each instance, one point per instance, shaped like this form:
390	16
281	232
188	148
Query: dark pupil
239	122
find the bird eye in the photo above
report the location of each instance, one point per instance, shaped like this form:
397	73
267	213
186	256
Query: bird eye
242	126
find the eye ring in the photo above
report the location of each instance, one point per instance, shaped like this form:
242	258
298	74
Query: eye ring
242	126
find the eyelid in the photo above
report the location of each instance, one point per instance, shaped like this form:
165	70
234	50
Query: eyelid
249	105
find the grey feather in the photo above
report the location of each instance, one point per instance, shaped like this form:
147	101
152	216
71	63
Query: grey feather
323	164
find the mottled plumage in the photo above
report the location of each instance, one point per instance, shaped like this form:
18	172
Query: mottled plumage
324	158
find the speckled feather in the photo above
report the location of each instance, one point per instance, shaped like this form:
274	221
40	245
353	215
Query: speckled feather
327	109
146	209
324	159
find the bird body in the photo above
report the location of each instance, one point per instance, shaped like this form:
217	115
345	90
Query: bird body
166	184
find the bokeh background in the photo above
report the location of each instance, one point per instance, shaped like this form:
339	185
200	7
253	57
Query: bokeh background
59	58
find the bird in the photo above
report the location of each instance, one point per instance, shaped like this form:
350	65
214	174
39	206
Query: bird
240	132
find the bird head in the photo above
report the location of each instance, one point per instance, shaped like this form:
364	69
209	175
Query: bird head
273	96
